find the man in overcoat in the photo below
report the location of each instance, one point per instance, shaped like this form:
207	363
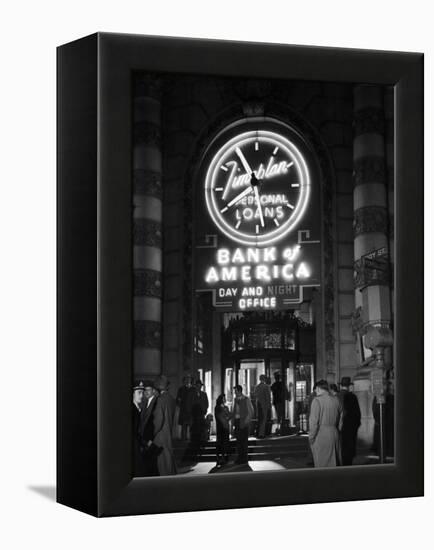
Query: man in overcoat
325	421
350	421
199	406
164	413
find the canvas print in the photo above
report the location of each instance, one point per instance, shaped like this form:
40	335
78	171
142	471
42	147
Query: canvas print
262	216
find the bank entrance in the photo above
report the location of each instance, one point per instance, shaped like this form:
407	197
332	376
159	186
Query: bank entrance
279	345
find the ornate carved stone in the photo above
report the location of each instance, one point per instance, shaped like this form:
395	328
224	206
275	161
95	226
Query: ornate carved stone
369	170
370	219
369	120
365	275
147	182
357	320
147	133
147	232
147	334
147	282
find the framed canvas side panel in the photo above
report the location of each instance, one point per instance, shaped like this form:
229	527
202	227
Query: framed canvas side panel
77	274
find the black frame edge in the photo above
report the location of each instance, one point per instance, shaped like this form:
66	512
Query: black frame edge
77	274
105	402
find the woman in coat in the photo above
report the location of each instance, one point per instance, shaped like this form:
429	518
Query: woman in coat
325	421
222	417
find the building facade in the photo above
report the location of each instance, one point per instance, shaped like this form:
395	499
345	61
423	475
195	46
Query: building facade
341	325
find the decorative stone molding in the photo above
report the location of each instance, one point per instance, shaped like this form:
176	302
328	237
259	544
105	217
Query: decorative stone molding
147	282
365	275
369	170
370	219
147	233
357	321
369	120
378	336
147	334
147	182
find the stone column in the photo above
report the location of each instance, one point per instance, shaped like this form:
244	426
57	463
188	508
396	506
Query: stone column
147	226
372	290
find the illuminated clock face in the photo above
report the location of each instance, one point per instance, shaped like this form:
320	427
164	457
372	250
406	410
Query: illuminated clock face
257	187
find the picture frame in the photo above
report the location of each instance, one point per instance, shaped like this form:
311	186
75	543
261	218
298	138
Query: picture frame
95	330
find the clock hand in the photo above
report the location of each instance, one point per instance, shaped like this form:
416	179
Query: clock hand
239	197
243	161
261	217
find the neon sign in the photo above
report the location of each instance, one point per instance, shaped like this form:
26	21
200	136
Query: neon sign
261	205
258	247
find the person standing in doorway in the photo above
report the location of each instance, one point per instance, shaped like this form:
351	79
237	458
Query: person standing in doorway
243	414
350	421
199	406
280	395
183	400
263	404
325	421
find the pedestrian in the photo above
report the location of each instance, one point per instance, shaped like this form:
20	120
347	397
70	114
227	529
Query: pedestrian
164	413
222	417
262	395
243	414
150	450
138	400
280	396
325	421
198	404
183	400
351	418
312	395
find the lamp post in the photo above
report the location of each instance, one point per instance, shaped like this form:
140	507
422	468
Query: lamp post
377	339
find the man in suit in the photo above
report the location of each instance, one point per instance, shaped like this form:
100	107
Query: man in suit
138	401
149	449
350	421
263	403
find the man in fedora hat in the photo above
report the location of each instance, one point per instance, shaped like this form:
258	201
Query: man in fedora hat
164	413
350	421
138	401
